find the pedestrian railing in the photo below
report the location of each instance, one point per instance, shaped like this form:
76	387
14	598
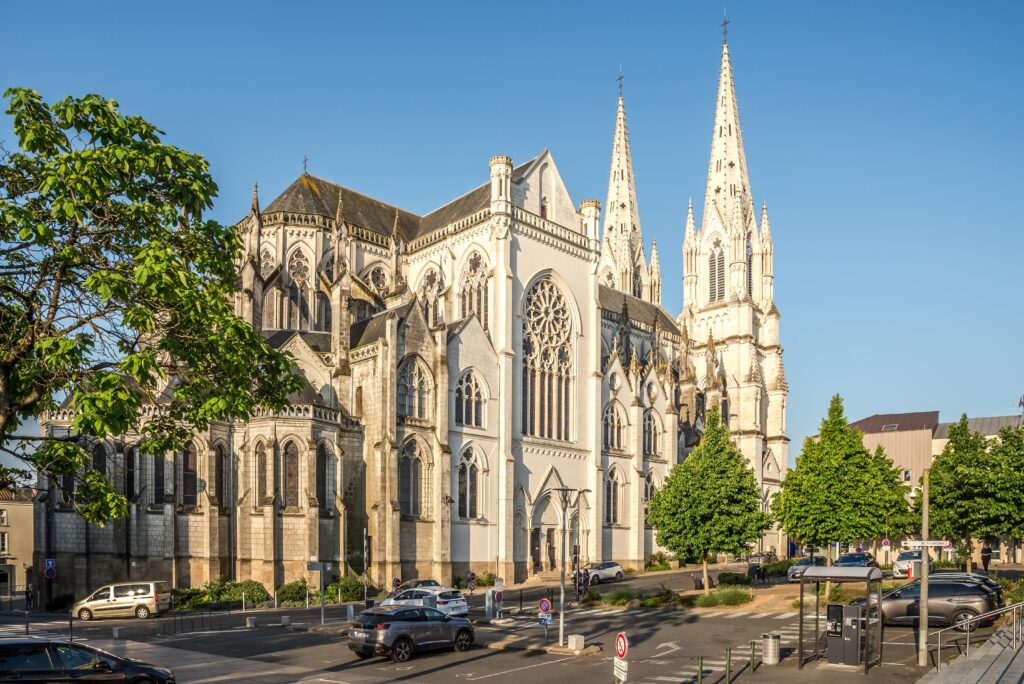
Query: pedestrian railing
1016	628
195	621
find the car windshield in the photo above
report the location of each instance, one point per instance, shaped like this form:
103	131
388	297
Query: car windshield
910	555
852	558
804	561
449	595
429	583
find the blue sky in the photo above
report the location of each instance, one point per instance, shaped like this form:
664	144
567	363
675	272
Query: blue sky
886	138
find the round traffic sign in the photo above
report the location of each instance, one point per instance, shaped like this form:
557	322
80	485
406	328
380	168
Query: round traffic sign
50	573
621	645
472	576
544	606
885	542
498	597
396	583
472	584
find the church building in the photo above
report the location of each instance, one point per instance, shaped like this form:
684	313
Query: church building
467	367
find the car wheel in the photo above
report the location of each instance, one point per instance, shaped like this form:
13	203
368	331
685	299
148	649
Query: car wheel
618	577
401	651
463	640
960	621
142	612
594	579
85	615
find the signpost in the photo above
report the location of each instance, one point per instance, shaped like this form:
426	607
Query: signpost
366	565
396	583
922	632
621	665
315	565
544	616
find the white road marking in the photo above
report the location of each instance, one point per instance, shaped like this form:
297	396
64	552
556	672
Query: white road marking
783	616
736	615
525	667
759	616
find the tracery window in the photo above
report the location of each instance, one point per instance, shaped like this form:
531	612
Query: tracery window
99	458
716	273
430	291
410	480
649	486
189	477
468	488
547	362
612	424
469	400
261	473
218	475
377	278
321	478
611	498
652	434
638	286
475	289
298	292
291	475
271	303
267	264
327	265
414	385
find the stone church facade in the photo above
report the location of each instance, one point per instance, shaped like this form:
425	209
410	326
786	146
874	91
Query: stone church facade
463	366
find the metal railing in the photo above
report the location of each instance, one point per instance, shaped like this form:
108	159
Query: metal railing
1016	628
197	621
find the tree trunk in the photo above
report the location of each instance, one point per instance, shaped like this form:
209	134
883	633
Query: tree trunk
968	553
707	584
828	583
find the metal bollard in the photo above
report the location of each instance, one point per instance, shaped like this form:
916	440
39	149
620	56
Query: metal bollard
728	665
700	669
520	600
752	647
351	613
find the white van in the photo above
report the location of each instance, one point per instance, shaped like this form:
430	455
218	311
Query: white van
125	599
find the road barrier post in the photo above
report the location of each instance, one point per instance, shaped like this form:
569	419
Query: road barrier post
728	665
700	669
752	647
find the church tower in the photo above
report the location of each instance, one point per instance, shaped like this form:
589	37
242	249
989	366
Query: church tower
623	266
728	299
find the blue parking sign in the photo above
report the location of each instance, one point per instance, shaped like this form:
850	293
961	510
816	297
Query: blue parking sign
51	562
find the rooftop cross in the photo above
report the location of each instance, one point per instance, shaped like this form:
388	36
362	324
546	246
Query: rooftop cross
305	161
619	79
725	28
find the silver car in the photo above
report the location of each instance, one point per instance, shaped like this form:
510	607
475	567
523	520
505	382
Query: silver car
400	631
901	566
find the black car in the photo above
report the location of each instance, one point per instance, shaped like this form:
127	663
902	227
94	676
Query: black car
856	560
55	660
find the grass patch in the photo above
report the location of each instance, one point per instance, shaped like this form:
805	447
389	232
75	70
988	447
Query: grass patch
620	597
779	568
590	598
724	596
735	579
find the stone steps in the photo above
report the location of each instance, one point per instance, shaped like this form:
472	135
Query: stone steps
994	662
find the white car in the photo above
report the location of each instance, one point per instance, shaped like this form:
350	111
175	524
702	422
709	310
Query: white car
603	572
901	566
447	600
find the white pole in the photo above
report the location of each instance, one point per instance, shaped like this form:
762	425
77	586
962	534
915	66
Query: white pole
561	591
922	630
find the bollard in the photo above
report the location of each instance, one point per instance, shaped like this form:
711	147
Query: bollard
119	633
728	665
752	647
700	669
307	598
243	601
520	601
250	623
351	613
286	621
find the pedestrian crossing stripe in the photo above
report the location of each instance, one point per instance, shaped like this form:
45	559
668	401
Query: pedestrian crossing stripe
759	616
736	615
783	616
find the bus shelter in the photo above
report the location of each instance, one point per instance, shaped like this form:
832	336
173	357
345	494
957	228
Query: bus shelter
872	638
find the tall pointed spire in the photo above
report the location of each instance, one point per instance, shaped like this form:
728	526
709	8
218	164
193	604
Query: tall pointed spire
727	169
655	264
622	215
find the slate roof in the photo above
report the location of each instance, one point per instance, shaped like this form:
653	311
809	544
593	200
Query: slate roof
317	341
372	329
987	426
611	299
319	197
904	422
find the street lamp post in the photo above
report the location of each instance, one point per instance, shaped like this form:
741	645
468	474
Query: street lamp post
565	494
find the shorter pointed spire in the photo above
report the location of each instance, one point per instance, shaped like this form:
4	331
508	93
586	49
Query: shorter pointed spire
339	213
394	229
766	227
256	198
655	264
691	226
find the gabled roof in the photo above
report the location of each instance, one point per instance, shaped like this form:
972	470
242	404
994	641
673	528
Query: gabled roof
610	299
898	422
317	341
319	197
986	426
372	329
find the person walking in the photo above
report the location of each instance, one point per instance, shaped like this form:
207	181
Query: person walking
28	598
986	555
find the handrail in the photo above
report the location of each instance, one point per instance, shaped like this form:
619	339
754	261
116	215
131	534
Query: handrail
1016	629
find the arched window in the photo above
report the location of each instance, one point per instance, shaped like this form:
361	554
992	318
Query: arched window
468	490
291	475
648	486
271	316
323	312
327	265
475	289
638	286
130	457
189	475
410	480
298	292
322	488
547	362
611	498
612	424
99	458
219	489
414	385
652	434
261	473
469	400
267	264
430	290
67	488
716	273
159	474
377	279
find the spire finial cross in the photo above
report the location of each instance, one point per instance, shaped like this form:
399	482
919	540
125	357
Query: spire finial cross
619	79
725	28
305	162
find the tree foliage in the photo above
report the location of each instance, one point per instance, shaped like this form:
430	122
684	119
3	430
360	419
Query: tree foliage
839	491
116	292
710	503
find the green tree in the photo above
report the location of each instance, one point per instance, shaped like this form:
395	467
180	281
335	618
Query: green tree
1008	454
115	291
966	497
839	491
710	503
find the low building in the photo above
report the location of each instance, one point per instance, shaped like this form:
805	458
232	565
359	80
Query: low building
16	539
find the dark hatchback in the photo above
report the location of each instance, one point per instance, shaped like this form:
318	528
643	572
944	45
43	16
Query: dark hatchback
856	560
950	603
400	631
46	660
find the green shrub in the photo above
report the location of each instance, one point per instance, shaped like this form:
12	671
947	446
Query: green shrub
253	591
664	597
947	565
485	580
293	592
733	579
724	596
779	568
350	588
590	597
620	597
189	598
459	583
709	600
60	603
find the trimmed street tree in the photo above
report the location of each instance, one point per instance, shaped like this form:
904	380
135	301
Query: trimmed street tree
115	292
839	491
1008	454
710	503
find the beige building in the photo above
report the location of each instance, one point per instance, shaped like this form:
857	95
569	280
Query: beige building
16	539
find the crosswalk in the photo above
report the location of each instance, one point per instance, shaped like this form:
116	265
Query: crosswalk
525	620
10	630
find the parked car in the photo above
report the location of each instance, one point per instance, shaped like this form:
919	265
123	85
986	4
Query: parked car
417	583
797	568
950	603
607	571
447	600
763	558
55	660
400	631
140	598
901	566
958	576
856	560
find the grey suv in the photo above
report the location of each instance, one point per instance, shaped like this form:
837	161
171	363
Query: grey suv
949	603
399	631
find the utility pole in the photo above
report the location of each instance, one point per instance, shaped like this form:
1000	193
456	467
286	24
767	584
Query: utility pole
922	630
565	494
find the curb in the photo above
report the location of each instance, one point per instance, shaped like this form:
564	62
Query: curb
553	650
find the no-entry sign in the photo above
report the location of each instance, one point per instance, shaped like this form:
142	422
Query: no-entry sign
621	645
396	583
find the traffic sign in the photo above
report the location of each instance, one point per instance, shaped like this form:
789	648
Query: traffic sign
472	576
544	605
621	670
396	583
621	645
544	618
318	566
50	573
499	597
940	543
472	584
51	562
886	543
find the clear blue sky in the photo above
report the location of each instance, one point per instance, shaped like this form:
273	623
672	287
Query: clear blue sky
886	138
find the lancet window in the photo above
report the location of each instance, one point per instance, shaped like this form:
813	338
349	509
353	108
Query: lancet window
475	289
548	350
